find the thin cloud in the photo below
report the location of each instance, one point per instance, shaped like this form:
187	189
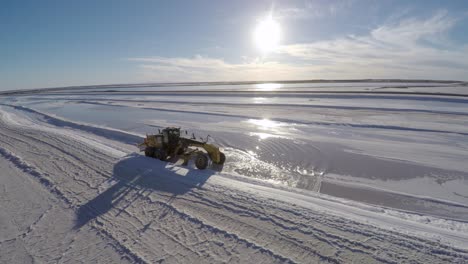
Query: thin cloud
409	41
409	48
313	9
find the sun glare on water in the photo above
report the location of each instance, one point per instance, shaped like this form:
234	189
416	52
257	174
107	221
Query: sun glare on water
267	35
268	86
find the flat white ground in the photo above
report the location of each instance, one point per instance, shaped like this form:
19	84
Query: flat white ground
332	178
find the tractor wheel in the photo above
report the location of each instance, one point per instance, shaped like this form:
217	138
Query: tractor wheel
201	161
160	154
149	151
222	158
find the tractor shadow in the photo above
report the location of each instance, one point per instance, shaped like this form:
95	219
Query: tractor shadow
145	175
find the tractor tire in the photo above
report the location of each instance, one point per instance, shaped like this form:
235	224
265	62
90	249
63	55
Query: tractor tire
160	154
222	158
201	161
149	151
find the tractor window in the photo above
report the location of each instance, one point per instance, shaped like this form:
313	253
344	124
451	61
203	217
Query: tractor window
165	137
175	132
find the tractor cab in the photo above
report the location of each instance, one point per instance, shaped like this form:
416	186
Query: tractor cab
171	136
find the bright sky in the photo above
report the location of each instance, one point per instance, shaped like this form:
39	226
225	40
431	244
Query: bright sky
61	43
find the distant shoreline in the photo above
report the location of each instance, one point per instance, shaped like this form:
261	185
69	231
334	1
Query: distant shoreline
176	84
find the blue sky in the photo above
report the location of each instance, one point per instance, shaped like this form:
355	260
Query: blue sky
62	43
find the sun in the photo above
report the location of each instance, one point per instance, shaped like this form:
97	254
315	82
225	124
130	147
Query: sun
267	35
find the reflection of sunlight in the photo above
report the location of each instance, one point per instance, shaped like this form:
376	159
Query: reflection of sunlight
262	135
265	124
259	100
268	86
271	129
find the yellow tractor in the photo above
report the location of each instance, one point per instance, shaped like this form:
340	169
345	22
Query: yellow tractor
169	145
